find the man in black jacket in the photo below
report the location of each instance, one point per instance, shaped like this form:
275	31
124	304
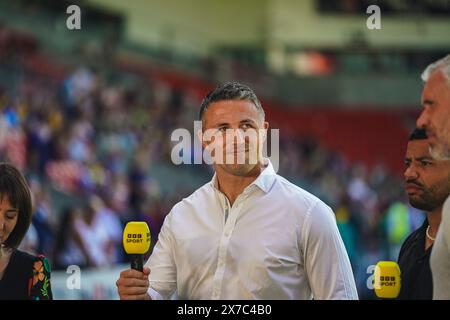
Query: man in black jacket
427	186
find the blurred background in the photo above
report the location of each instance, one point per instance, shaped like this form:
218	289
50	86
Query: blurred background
87	114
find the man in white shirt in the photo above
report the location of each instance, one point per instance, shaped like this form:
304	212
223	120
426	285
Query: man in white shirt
435	118
249	233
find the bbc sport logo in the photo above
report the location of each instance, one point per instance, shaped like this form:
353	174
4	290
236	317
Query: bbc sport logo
388	281
135	238
385	280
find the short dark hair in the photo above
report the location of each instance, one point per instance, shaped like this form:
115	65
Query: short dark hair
231	91
418	134
14	186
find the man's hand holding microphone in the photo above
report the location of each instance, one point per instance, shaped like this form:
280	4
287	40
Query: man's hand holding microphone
133	284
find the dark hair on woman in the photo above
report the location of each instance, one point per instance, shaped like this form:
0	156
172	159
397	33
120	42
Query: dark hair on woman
14	186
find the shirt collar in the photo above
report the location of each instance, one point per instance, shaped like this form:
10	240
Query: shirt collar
264	181
422	229
267	177
419	239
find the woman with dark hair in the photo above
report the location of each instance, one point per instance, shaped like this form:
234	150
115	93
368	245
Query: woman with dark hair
22	276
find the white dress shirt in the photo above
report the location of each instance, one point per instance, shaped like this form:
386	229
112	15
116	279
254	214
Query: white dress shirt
277	241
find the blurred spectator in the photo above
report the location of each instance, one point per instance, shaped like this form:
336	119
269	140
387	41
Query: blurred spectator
30	241
42	219
101	233
397	225
69	248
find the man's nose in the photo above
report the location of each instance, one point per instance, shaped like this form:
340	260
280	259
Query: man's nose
423	120
239	136
410	173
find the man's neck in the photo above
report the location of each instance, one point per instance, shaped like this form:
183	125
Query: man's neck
232	186
434	219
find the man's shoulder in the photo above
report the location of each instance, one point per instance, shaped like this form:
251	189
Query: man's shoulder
409	241
291	192
445	221
199	197
446	210
416	233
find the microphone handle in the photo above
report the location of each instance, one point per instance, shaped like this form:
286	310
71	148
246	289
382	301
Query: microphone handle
136	262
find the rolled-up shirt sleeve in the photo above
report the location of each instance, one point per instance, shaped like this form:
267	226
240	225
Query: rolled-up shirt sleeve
326	261
163	273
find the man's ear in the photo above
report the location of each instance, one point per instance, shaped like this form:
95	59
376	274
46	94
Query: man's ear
266	127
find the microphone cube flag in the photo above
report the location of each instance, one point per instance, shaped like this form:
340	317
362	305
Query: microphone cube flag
387	280
136	238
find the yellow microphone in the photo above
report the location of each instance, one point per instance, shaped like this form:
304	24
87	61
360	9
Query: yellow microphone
136	242
387	279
